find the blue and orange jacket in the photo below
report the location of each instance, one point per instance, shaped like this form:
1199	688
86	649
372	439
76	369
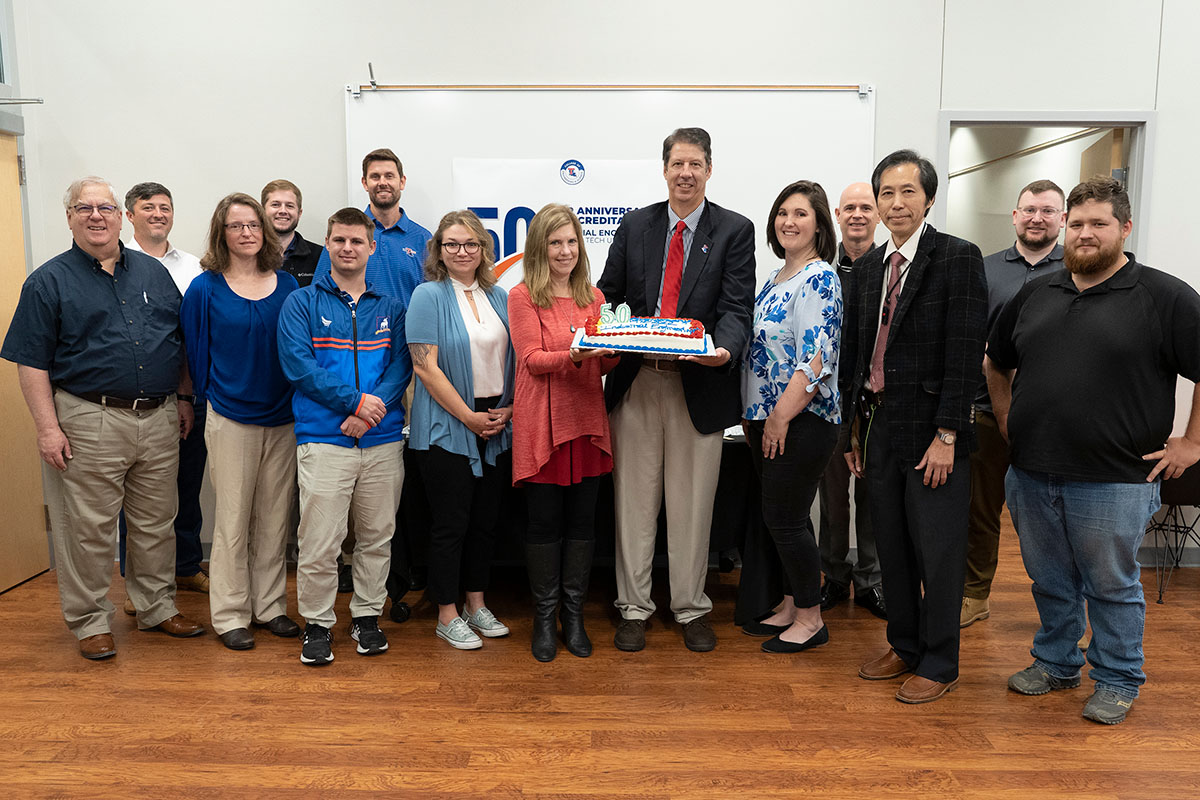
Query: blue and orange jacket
334	351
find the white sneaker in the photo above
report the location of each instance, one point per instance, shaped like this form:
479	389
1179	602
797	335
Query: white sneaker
459	635
485	623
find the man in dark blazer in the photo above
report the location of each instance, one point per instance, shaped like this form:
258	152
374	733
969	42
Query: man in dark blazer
912	348
668	416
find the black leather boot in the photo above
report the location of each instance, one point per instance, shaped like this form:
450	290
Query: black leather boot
576	571
544	563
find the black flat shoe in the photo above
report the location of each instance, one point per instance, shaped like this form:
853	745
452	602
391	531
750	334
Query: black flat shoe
238	639
763	629
777	645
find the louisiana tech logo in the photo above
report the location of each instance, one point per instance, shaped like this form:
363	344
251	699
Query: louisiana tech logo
571	172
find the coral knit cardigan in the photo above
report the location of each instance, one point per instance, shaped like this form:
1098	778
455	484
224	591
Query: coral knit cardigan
557	400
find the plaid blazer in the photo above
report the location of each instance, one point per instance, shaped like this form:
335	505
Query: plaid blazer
934	347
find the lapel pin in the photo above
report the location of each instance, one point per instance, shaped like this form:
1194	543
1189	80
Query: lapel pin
704	249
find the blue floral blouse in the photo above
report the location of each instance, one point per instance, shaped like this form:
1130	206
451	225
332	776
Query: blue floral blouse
794	320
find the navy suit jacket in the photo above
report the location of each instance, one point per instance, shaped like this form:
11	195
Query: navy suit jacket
934	347
717	290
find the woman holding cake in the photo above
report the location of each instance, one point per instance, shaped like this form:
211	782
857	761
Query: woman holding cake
561	442
792	405
457	331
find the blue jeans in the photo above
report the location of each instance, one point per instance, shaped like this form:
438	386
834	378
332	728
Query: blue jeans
1079	540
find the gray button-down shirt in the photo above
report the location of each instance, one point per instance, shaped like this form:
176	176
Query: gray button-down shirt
689	233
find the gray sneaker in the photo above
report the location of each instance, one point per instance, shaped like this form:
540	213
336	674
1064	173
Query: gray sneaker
1107	707
459	635
1035	680
485	623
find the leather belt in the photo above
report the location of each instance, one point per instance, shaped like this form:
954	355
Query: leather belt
137	404
661	364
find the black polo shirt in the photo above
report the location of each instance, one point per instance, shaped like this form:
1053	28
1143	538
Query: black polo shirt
113	334
1007	271
1096	373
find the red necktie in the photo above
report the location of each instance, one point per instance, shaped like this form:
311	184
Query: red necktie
885	322
673	274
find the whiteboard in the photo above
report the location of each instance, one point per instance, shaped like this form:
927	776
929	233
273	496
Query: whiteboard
763	137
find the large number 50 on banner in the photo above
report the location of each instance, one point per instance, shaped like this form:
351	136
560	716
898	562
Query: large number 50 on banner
507	192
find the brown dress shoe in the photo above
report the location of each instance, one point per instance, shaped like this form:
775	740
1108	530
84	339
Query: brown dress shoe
888	665
128	608
97	647
922	690
193	583
180	626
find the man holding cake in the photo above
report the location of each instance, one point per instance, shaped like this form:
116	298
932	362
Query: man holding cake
686	257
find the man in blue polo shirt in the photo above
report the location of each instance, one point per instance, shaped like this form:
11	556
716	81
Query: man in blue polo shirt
99	356
397	265
1082	367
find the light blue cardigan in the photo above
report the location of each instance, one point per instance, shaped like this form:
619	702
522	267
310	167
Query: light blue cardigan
434	318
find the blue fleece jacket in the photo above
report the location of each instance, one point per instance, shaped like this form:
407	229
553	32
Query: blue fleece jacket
334	351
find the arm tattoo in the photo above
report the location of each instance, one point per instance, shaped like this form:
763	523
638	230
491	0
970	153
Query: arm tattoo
418	352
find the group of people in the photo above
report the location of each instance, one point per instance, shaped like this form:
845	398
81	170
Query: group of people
850	359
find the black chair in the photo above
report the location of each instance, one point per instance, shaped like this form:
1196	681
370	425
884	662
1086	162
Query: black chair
1176	525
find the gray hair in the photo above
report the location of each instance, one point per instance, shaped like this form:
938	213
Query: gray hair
76	188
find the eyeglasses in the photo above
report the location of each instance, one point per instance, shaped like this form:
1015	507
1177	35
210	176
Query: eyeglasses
1029	212
106	211
237	227
452	247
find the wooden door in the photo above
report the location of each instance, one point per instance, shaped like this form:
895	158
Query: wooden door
23	544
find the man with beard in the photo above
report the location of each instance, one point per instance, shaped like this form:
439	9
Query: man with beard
396	267
1038	219
1113	334
284	206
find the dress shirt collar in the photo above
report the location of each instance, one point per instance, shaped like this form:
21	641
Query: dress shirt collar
908	249
691	220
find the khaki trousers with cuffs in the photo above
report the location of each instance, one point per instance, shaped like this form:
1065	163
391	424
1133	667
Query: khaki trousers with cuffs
253	473
365	483
118	457
655	449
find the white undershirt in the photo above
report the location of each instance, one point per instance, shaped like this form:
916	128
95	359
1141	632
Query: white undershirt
489	339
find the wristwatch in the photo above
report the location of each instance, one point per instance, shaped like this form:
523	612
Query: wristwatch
187	398
947	437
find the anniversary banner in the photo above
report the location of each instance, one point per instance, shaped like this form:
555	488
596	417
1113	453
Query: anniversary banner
507	192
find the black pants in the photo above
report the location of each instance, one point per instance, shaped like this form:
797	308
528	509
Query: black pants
921	534
789	484
561	512
465	513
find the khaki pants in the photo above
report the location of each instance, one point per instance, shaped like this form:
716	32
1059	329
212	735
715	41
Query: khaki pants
119	457
253	473
364	482
656	448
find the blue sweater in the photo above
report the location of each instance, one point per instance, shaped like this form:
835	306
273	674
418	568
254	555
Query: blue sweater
231	349
434	318
334	351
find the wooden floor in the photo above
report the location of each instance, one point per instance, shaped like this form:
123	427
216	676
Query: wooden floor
168	718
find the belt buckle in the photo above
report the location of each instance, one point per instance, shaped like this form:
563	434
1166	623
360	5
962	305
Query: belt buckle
137	400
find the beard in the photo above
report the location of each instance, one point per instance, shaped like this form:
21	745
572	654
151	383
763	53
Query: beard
392	203
1036	242
1097	262
284	231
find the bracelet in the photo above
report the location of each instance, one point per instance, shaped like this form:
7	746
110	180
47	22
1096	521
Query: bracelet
187	398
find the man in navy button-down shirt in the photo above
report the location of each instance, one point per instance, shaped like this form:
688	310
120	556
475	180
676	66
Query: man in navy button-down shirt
99	357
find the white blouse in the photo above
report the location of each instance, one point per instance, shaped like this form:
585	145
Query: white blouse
489	340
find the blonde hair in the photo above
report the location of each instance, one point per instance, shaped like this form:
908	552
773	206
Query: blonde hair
435	267
536	263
